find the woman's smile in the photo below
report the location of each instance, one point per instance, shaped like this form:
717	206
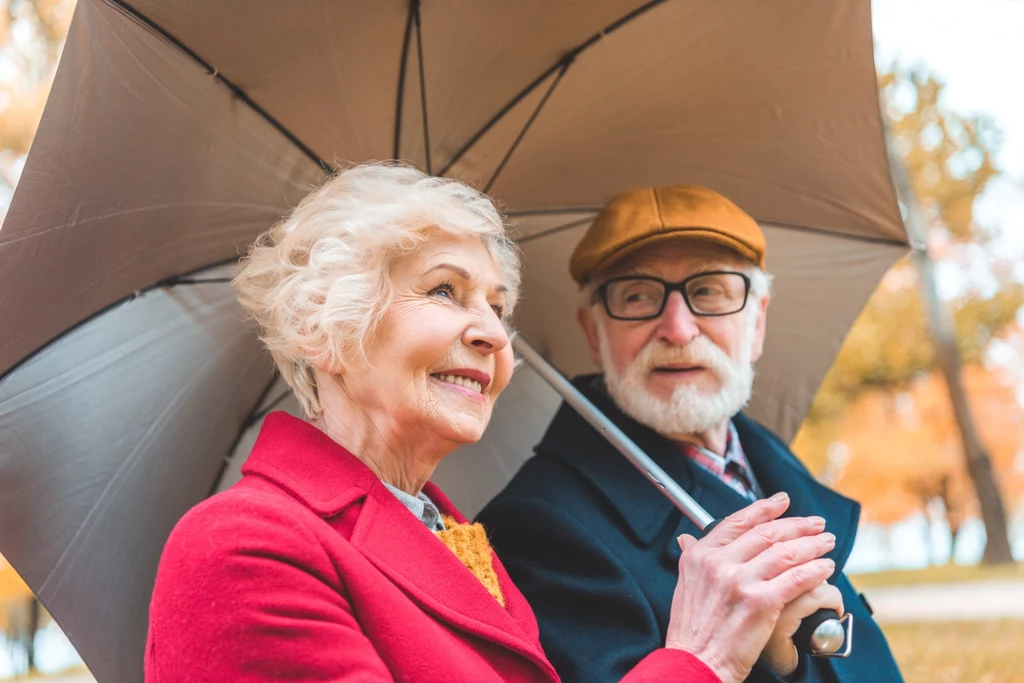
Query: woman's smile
464	380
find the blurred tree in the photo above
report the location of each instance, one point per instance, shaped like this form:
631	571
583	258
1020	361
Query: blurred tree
948	156
32	33
898	451
18	609
948	159
31	36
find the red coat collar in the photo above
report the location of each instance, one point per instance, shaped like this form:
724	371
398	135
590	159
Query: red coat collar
309	465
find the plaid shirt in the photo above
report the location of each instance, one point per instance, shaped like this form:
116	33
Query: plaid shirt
733	469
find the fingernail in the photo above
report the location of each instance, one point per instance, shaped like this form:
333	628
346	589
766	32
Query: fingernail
780	496
829	538
830	564
818	522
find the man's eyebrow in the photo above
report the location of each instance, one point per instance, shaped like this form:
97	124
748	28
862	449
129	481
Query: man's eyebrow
464	274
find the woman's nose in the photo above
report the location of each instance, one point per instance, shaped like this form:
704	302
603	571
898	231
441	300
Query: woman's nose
487	333
678	324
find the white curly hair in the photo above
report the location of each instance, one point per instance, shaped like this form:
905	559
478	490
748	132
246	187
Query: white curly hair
317	283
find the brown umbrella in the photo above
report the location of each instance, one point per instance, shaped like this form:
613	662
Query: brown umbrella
176	132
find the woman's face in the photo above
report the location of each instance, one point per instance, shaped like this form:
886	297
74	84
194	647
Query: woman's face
441	354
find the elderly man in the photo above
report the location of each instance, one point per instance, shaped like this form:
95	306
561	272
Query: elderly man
675	298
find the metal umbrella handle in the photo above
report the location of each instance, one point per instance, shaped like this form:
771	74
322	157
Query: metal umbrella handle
822	634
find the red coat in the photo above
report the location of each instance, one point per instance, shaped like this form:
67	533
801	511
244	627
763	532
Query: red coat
310	570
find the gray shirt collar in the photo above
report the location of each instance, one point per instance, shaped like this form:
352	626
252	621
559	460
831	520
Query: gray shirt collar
420	506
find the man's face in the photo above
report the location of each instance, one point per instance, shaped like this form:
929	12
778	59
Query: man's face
679	373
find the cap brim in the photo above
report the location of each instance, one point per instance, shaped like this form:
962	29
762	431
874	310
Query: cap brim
697	234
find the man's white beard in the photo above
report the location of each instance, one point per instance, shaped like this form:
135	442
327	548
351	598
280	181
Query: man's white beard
689	410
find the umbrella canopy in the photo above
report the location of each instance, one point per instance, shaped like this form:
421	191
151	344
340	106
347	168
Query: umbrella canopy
177	132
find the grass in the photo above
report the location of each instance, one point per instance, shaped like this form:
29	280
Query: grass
950	573
959	652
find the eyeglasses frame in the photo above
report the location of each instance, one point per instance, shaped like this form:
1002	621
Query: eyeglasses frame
602	292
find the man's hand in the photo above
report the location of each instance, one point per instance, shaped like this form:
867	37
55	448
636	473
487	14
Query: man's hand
735	583
780	655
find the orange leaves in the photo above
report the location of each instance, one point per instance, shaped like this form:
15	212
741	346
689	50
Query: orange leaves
895	450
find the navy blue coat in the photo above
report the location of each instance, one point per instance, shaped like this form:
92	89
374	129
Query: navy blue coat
593	546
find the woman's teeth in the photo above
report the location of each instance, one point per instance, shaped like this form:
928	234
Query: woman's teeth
460	381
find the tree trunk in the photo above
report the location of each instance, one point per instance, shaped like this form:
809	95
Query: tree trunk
979	465
30	635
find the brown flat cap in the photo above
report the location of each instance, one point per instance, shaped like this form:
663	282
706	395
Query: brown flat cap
636	218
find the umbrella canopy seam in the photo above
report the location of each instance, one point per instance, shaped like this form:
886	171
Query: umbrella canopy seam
423	86
560	64
156	29
778	224
255	414
171	281
526	126
403	64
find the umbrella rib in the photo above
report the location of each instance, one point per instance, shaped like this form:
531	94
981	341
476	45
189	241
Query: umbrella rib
250	419
403	65
270	406
149	24
423	87
568	57
175	281
526	126
554	211
163	282
555	230
888	241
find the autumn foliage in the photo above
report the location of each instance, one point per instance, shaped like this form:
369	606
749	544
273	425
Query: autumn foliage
895	451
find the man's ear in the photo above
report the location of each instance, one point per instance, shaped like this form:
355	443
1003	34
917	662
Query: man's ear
585	317
759	329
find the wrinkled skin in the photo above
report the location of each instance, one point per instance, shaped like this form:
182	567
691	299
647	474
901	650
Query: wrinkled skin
736	584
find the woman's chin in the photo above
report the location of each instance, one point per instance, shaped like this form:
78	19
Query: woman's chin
462	429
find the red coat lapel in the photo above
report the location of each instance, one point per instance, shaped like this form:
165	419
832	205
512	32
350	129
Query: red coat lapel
329	480
515	603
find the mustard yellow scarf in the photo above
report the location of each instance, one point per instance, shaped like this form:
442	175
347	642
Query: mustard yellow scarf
469	543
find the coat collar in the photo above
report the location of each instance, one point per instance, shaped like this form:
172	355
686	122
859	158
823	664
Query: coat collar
323	476
308	464
645	511
572	440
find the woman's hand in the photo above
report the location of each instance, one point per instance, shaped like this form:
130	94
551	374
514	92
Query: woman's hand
780	655
735	583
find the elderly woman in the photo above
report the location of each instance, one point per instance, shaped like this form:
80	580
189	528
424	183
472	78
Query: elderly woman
384	298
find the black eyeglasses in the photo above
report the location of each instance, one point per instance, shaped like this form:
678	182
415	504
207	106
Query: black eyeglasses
641	297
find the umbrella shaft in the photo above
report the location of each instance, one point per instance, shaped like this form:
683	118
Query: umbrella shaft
599	421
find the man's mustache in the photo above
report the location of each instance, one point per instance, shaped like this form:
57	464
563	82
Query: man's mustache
698	351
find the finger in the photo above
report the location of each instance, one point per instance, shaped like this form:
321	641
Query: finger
828	596
741	521
823	596
792	583
764	536
783	556
686	541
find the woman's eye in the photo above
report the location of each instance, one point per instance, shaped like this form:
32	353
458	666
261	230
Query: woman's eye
445	291
499	310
